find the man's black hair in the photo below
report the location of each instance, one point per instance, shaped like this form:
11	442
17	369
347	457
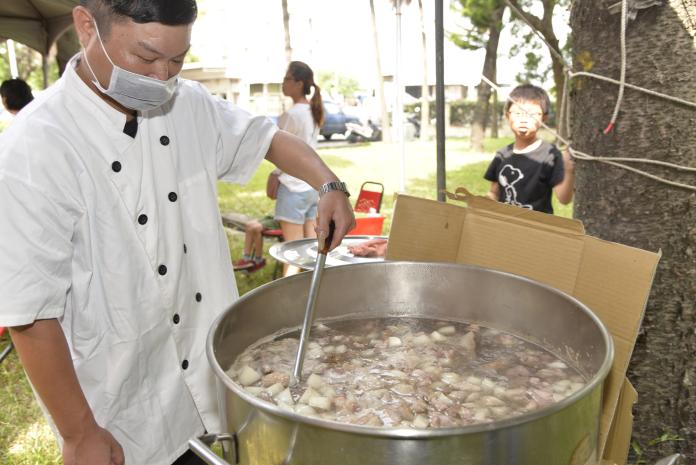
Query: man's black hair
16	94
168	12
529	93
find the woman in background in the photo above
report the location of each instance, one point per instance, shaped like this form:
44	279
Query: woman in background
296	205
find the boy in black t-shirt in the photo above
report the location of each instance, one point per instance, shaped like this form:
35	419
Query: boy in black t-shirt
524	173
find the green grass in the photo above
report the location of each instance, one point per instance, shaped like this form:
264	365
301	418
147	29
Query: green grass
25	439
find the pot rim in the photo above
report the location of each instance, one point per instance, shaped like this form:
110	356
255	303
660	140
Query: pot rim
414	433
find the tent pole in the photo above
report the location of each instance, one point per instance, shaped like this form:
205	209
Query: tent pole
398	114
44	70
14	72
440	99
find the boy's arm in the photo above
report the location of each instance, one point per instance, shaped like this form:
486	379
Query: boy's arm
494	192
44	353
564	189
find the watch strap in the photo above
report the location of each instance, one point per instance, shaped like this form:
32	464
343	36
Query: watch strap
334	186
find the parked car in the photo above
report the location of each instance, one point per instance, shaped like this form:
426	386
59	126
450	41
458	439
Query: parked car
335	120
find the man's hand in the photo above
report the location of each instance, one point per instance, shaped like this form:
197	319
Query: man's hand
44	353
96	446
334	205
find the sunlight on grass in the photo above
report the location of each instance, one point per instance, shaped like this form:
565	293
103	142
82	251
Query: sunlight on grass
34	440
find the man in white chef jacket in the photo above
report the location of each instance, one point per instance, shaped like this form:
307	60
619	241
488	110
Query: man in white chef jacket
114	262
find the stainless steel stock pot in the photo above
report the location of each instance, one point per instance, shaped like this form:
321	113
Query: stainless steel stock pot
564	433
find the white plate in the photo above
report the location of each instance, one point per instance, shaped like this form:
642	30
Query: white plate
303	252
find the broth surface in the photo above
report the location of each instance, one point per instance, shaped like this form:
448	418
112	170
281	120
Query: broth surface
406	372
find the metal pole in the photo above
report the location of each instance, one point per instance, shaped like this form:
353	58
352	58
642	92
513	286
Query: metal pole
398	105
440	98
14	72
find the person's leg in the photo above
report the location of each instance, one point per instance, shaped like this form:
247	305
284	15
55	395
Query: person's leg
309	229
254	230
251	229
291	232
291	208
249	233
311	214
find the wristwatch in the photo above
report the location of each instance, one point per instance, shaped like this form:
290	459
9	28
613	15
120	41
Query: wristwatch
334	186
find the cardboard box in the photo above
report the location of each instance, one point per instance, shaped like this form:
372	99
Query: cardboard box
613	280
619	436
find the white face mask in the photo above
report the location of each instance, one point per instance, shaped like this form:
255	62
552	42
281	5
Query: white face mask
133	90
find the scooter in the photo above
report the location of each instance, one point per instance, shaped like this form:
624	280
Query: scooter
369	132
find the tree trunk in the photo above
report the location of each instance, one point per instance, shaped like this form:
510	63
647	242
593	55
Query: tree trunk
286	27
622	206
425	131
494	115
386	132
478	123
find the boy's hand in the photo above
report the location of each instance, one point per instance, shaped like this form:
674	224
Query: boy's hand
568	160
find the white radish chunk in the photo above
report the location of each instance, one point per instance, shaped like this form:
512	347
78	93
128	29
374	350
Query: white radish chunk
277	388
450	378
447	330
305	410
315	381
248	376
319	402
307	395
285	397
420	422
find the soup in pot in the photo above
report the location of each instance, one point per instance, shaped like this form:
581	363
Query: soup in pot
406	372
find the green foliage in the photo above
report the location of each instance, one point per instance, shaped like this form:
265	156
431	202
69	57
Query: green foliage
335	84
28	66
461	111
477	16
639	451
534	69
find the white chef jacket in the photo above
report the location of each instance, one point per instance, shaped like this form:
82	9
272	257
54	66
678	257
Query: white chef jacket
298	120
121	240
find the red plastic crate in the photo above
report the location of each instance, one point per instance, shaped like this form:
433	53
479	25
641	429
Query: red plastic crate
367	226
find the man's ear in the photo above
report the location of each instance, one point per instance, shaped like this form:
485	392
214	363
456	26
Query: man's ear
84	25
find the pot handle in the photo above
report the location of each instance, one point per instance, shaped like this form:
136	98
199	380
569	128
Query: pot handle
200	446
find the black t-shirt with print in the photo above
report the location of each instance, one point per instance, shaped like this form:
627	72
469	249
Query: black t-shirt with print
527	180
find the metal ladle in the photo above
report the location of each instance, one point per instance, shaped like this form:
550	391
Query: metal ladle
311	304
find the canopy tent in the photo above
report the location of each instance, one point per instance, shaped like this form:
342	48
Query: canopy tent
39	24
35	23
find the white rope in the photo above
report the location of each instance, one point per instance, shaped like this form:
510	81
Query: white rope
631	86
622	78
